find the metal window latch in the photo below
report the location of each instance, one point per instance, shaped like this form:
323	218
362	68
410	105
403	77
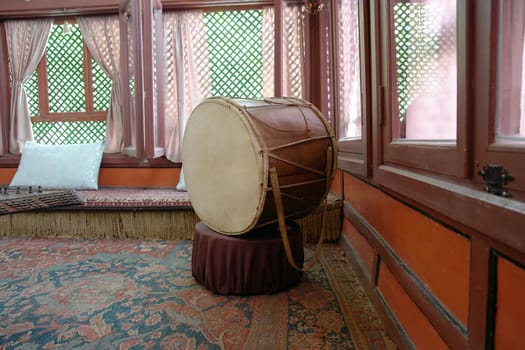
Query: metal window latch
496	178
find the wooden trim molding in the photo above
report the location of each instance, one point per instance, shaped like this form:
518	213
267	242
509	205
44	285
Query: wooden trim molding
54	8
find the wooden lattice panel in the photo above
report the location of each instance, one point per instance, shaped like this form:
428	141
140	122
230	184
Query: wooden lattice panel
235	44
69	132
65	71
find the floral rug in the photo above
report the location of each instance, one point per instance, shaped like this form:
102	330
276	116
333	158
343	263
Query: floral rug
129	294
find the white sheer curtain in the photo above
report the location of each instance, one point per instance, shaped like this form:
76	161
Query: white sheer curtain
293	49
26	43
187	71
348	69
268	44
102	37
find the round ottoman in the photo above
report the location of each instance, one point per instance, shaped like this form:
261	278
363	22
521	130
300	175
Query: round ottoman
252	263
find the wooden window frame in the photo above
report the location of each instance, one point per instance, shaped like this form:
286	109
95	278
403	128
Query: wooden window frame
43	90
444	182
488	150
444	158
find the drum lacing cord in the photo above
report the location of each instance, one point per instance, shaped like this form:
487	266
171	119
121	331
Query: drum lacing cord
282	226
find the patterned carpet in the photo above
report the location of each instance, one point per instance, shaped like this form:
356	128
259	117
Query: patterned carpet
125	294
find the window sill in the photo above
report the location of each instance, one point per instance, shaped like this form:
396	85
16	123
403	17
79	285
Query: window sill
499	218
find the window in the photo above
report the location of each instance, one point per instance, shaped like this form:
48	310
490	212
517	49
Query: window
436	171
68	94
421	122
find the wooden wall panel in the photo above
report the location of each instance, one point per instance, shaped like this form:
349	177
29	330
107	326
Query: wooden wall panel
360	246
438	256
122	177
510	309
411	319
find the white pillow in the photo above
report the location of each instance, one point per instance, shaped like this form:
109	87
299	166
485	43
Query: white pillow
74	166
181	186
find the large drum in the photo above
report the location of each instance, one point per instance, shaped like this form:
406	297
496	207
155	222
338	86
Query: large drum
229	147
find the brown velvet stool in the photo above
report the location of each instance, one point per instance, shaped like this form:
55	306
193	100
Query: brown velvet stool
247	264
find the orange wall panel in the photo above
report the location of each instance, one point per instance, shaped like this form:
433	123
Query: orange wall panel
416	325
6	174
437	255
510	312
122	177
139	177
360	245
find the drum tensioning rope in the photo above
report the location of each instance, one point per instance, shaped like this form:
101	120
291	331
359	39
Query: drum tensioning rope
274	180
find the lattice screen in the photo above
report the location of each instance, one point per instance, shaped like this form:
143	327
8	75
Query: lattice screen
420	40
235	44
31	88
65	72
69	132
101	88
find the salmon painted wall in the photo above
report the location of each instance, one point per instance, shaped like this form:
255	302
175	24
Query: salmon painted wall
434	258
438	256
122	177
365	252
416	325
510	310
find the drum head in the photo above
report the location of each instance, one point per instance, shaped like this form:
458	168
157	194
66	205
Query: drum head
224	167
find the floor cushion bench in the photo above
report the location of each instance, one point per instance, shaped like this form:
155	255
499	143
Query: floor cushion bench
138	213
